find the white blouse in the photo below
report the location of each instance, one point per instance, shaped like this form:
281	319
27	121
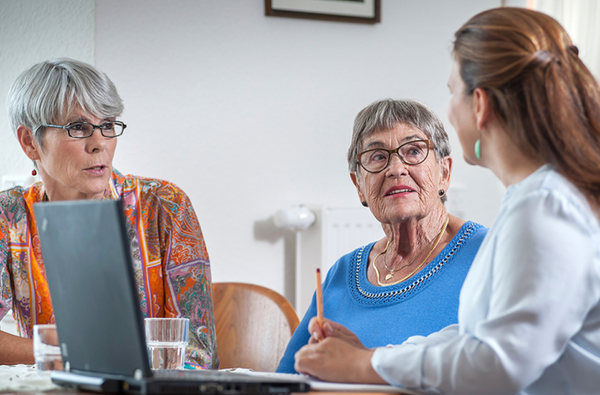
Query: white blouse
529	314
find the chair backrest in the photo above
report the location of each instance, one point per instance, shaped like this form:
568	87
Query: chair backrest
254	325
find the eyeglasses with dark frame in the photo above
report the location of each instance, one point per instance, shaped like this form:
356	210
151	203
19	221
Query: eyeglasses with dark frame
412	153
82	130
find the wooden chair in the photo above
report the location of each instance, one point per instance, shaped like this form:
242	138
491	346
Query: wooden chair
254	325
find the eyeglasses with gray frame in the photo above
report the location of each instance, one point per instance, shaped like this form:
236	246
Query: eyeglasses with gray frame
412	153
82	130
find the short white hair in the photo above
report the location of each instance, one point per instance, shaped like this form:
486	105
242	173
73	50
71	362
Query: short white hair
386	114
50	89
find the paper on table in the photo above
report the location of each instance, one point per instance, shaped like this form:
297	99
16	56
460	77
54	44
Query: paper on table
318	385
23	378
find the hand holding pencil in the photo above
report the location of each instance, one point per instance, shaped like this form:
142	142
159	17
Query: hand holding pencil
320	327
330	341
316	324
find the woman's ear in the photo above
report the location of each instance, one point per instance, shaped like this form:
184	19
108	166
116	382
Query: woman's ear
28	143
482	108
356	181
446	167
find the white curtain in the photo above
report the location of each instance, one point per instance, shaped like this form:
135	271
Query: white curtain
581	19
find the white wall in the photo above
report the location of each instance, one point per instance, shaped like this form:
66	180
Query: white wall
250	114
32	31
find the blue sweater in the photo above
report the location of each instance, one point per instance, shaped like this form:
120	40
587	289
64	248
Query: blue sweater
423	304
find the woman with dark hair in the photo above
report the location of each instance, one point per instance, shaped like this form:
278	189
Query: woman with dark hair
524	106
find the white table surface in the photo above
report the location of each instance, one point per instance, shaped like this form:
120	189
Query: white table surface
23	378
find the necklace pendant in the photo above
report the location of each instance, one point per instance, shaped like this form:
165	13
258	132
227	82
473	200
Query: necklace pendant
388	276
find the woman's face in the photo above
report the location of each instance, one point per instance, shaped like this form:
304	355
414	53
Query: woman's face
461	114
402	192
73	168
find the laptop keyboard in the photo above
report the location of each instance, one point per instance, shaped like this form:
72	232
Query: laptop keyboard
189	374
226	383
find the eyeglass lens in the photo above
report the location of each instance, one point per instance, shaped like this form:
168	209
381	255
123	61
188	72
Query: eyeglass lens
412	153
85	129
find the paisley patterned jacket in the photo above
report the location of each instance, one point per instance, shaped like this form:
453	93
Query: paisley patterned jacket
170	259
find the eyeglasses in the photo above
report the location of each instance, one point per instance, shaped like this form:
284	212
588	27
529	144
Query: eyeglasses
412	153
82	130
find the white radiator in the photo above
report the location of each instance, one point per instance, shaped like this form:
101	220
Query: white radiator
336	232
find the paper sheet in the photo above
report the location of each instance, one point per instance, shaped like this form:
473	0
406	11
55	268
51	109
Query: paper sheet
318	385
23	378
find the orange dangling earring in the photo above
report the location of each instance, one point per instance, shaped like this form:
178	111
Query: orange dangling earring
34	172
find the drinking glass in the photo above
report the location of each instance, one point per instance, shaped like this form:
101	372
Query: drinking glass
46	349
167	340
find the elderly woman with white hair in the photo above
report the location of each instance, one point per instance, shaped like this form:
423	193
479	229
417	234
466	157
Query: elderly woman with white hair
408	282
64	114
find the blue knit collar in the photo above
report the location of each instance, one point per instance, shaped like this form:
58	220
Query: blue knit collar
366	293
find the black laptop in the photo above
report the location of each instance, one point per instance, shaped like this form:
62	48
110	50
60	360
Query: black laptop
100	325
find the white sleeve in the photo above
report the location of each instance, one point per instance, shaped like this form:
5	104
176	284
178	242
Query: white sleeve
435	338
542	262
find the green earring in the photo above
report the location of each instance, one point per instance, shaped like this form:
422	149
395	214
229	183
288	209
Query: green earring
478	149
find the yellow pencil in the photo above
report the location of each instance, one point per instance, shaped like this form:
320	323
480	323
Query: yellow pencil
319	299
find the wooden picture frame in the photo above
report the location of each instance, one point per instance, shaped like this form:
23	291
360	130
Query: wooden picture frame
357	11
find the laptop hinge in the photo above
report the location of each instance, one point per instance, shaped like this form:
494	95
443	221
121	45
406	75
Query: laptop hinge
87	383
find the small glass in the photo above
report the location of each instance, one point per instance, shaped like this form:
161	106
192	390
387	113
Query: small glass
46	349
167	339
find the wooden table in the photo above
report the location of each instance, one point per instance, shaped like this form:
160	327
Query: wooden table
22	375
69	392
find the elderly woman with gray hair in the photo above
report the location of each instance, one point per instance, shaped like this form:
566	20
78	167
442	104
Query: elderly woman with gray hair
64	115
407	283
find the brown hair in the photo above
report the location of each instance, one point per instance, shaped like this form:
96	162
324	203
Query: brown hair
545	98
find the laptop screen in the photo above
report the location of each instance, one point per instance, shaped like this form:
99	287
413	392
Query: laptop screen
86	253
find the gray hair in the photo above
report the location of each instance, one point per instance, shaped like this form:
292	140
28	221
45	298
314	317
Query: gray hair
386	114
53	88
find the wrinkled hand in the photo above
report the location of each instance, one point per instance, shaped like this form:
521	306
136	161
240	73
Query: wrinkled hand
335	354
331	329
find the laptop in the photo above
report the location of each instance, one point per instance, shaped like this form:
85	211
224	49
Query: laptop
99	322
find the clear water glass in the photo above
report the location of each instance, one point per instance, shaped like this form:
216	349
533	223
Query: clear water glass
167	340
46	349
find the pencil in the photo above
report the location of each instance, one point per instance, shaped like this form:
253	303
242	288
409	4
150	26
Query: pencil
319	299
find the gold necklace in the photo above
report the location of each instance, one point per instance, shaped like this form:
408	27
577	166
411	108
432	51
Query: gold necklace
393	271
437	241
377	256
